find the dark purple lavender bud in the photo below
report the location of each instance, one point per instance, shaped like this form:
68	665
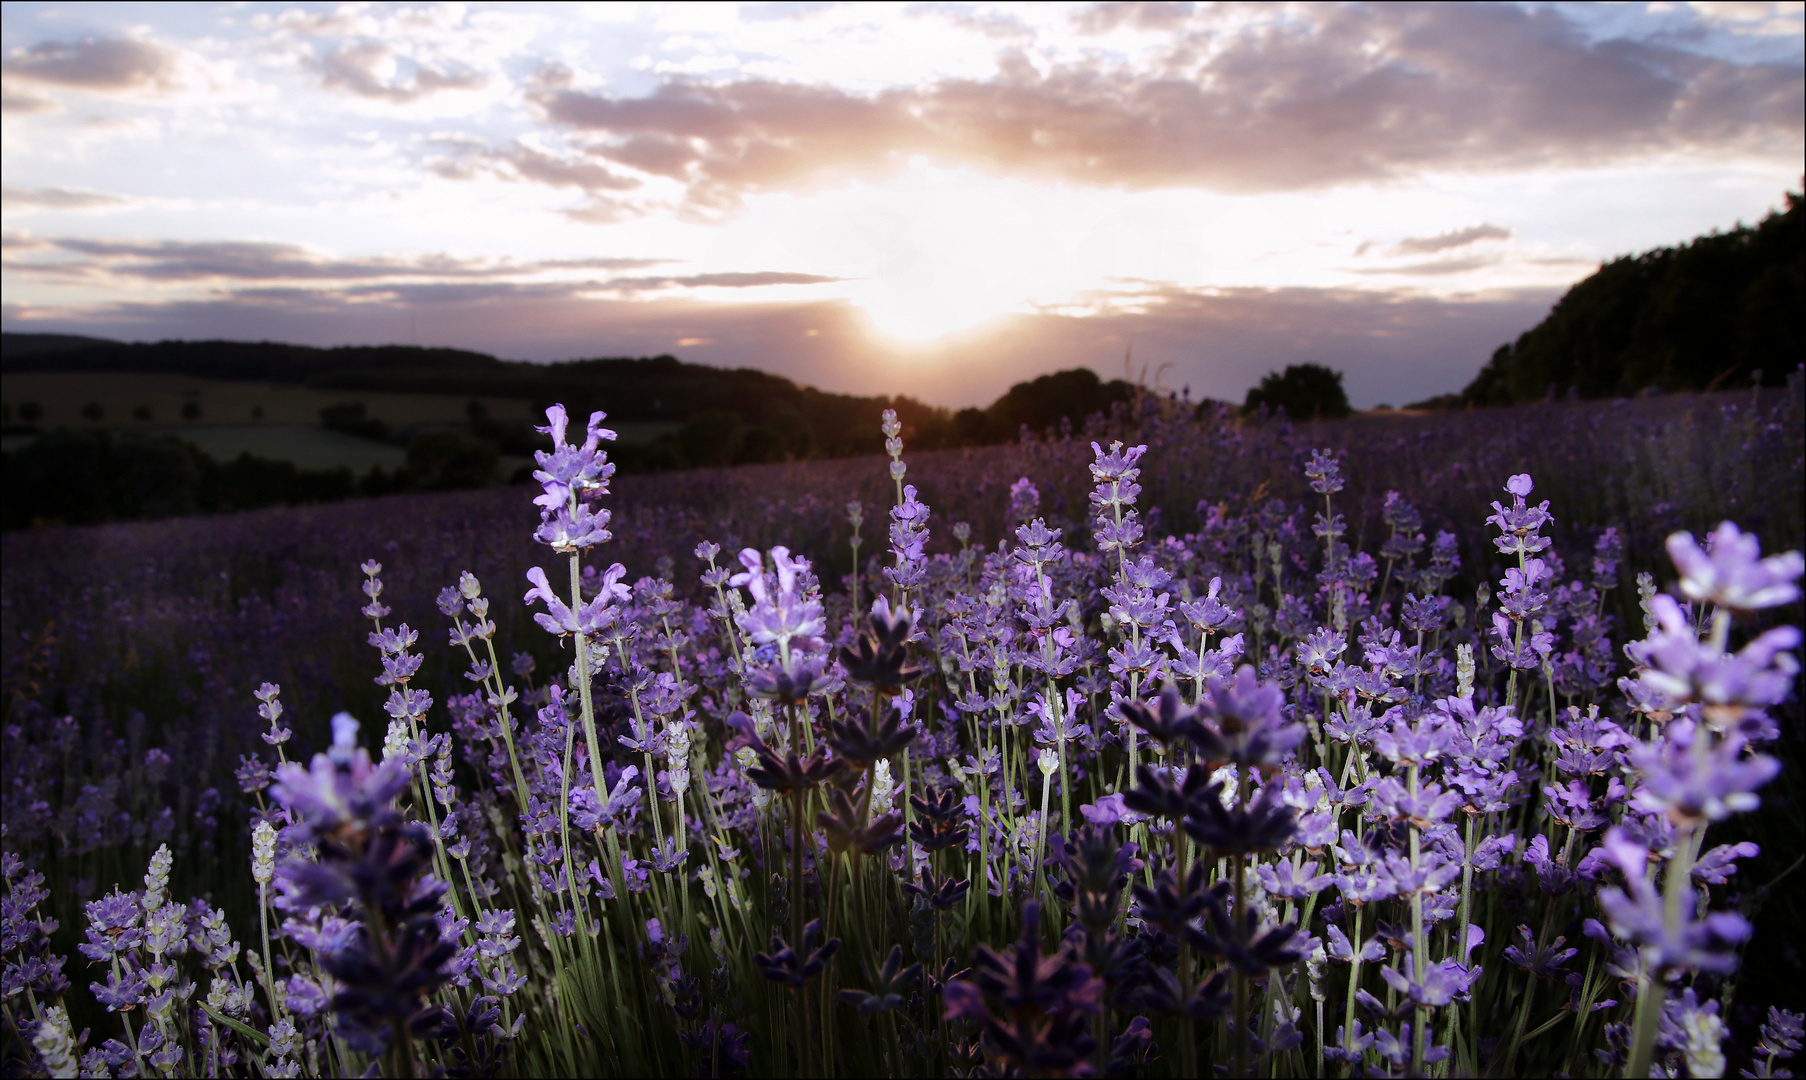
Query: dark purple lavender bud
862	742
1161	993
878	655
785	774
1155	795
1263	825
939	825
1173	905
1096	869
889	989
1548	961
1033	1012
1133	1047
790	680
841	824
1167	718
939	892
1238	938
796	968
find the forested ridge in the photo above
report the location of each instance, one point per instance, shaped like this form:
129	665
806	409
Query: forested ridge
1705	315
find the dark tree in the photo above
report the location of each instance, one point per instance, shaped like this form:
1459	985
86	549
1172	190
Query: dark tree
1304	391
447	461
1720	311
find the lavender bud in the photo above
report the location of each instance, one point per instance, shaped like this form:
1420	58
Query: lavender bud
263	853
157	879
55	1042
883	788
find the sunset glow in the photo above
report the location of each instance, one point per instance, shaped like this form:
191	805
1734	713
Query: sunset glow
837	192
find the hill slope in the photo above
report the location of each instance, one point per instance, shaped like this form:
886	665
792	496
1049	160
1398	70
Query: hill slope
729	416
1703	315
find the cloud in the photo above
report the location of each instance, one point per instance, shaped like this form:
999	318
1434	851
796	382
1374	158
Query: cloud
1338	95
1395	345
174	261
743	280
18	199
370	70
20	102
523	162
1430	245
1435	267
90	64
1105	18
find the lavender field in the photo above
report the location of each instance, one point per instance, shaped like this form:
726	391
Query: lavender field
1455	744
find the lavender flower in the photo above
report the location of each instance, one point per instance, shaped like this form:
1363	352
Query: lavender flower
1637	915
572	477
1734	575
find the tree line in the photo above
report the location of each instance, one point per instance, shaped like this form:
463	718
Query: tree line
1720	311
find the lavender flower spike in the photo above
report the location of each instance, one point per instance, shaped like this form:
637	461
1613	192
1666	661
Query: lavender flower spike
1734	575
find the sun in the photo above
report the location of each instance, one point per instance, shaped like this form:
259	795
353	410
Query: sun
929	307
925	255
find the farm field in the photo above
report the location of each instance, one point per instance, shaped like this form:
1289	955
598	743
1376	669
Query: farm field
307	447
226	402
752	808
274	421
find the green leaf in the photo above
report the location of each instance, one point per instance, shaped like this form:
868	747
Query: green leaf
244	1029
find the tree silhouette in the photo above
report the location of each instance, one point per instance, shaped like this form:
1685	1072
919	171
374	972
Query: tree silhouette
1304	391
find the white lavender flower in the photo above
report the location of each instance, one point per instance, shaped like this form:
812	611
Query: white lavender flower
263	853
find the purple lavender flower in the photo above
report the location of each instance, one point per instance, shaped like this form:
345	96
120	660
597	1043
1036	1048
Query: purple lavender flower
1325	473
1637	915
1520	521
1117	525
1683	669
785	615
341	788
1338	947
113	927
572	477
908	541
1734	575
1548	961
1690	783
1242	721
1443	982
1289	880
596	615
1025	501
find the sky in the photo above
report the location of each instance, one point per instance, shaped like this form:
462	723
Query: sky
929	199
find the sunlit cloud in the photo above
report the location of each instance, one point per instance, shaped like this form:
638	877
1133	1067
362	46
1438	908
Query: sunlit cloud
18	200
932	197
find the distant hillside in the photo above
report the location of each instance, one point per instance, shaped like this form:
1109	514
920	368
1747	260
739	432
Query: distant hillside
22	345
728	416
1704	315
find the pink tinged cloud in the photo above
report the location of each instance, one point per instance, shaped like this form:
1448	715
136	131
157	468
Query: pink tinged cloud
1344	95
89	64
